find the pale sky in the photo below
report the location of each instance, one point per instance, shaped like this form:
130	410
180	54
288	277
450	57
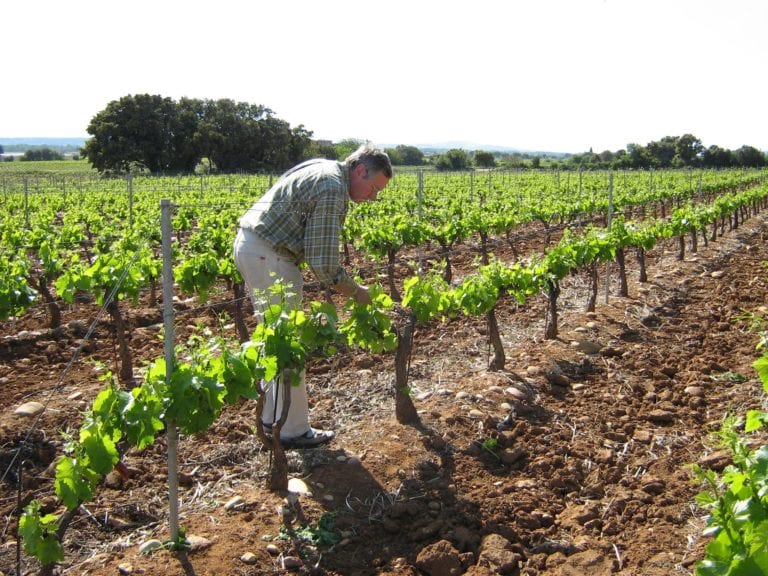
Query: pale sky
558	75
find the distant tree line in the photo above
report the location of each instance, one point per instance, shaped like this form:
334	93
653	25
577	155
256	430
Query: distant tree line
669	152
44	153
158	134
672	152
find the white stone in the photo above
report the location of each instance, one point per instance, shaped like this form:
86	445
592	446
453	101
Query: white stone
234	503
587	346
516	393
198	542
150	546
29	409
298	486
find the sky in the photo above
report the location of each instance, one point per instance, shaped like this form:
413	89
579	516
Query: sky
547	75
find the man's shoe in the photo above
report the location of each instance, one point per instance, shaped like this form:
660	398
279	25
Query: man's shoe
311	438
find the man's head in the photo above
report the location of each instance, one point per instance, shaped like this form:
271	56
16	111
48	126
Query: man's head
369	171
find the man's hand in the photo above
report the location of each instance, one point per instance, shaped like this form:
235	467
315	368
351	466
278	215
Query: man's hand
359	293
362	296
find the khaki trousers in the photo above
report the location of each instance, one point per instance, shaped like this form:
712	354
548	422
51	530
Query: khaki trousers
261	267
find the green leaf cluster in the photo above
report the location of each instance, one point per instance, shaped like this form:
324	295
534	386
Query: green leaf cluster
16	295
737	500
368	325
38	533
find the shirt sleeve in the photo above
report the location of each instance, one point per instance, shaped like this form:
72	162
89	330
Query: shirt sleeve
321	240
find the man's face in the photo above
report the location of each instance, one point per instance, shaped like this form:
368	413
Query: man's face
365	185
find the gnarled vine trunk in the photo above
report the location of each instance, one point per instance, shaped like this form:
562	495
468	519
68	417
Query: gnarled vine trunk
643	274
125	373
499	358
405	411
550	332
394	293
620	261
592	298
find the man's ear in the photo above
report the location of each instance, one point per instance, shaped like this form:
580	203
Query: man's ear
361	170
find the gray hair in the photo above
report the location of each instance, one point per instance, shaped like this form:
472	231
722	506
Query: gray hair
374	159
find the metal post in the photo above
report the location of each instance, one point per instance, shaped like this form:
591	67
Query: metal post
420	196
26	204
129	177
171	431
610	219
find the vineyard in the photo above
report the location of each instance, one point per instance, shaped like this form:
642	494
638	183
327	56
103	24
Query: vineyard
547	356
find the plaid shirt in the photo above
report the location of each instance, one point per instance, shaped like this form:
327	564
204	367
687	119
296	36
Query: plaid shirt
301	216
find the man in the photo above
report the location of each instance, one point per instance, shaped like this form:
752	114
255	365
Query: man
299	220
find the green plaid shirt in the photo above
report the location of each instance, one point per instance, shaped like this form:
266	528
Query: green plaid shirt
302	215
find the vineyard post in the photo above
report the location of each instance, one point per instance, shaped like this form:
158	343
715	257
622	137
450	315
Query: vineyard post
700	176
608	226
129	179
171	432
420	196
26	203
690	181
471	186
581	184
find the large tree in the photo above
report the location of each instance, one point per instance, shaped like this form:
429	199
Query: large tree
663	151
717	157
484	159
134	130
410	155
750	157
454	159
689	150
163	135
639	156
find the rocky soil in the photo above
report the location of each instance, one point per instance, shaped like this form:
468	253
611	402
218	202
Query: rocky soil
572	461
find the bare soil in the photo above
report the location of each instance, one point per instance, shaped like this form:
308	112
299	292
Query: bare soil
573	460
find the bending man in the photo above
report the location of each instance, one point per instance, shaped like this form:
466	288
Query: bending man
299	220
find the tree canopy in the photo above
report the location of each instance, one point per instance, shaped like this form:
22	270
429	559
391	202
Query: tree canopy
454	159
406	155
670	152
161	135
43	153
